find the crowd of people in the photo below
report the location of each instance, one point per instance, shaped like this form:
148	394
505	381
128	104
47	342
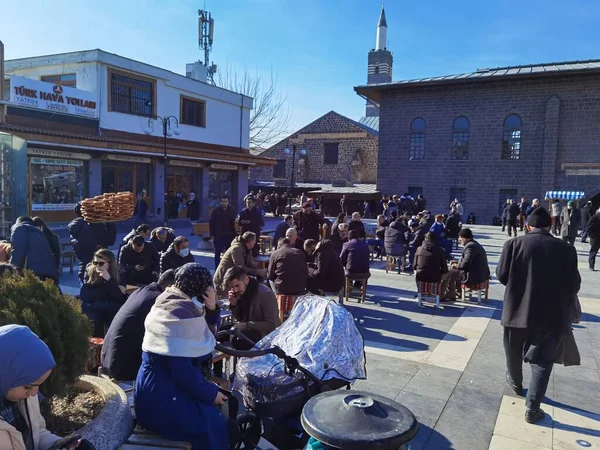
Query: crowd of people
157	309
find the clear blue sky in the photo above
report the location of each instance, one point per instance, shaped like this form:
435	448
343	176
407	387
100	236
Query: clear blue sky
317	49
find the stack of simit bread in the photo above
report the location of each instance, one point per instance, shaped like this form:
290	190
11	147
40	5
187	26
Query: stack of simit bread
112	207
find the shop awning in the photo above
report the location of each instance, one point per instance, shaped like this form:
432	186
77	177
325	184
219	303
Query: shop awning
564	195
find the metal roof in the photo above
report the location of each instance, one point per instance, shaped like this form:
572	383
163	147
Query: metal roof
371	122
372	91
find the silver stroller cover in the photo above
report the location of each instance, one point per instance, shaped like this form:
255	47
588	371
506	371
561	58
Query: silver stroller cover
321	335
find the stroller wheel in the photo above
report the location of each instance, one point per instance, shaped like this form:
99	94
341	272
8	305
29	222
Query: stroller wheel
250	430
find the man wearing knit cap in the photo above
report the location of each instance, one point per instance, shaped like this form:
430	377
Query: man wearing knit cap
541	278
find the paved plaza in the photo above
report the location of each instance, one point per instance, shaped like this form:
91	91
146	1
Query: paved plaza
448	367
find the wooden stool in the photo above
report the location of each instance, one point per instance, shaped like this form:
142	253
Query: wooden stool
426	289
265	241
285	303
69	256
363	278
94	359
481	287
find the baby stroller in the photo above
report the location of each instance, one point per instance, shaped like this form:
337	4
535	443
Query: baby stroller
317	349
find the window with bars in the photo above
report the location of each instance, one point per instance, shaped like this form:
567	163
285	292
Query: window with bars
279	169
417	139
131	95
193	112
460	138
511	137
330	153
65	79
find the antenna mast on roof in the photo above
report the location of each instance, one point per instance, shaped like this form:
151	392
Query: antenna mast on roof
206	31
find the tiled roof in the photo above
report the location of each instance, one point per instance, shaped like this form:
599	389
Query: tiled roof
530	70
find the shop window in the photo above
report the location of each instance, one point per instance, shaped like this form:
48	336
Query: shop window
417	139
193	112
131	95
220	183
56	184
330	153
279	169
460	138
65	79
511	137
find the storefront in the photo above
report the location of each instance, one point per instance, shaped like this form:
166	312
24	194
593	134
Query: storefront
221	181
122	173
57	181
183	177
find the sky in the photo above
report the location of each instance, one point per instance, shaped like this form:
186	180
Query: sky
316	49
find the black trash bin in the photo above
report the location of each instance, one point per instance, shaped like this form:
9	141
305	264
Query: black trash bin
358	420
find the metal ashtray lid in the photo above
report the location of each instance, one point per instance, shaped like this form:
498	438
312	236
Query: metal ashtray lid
358	420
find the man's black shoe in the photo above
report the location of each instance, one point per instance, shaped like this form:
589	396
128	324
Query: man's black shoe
534	416
517	388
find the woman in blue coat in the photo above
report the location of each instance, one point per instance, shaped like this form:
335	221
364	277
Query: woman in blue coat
173	396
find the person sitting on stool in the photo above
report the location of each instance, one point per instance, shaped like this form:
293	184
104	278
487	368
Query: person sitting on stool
355	256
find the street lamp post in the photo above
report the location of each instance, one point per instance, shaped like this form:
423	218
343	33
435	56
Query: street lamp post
292	183
167	130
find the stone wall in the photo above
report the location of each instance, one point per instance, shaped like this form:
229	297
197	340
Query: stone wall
357	153
560	124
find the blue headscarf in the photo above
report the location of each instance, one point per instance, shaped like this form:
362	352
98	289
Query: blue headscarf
24	357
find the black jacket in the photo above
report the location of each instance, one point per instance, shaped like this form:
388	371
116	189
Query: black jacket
380	230
473	264
593	226
193	209
358	226
288	270
122	349
513	212
222	222
88	237
430	263
162	247
148	258
327	270
251	220
356	256
280	232
102	297
541	278
55	246
419	236
308	225
452	226
173	260
395	242
586	214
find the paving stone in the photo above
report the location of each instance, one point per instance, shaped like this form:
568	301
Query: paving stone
426	409
429	372
430	388
380	389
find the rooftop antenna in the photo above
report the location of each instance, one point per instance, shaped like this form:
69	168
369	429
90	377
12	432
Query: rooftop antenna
206	31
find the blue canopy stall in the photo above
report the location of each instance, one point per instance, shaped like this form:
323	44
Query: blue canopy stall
564	195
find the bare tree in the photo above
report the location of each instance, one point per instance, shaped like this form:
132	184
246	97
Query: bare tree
270	119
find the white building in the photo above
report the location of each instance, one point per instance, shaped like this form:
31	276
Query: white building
81	118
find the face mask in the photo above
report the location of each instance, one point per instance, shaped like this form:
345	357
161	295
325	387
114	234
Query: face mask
184	252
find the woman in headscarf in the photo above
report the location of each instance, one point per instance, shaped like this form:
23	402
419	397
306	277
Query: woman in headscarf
25	363
173	396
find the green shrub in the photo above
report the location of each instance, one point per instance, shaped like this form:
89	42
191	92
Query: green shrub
57	319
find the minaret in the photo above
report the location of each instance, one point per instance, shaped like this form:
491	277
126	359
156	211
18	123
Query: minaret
380	61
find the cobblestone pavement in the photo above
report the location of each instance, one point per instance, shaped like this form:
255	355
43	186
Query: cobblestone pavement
448	367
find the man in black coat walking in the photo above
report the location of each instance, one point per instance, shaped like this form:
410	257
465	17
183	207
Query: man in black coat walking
586	213
222	228
541	278
512	217
122	350
593	229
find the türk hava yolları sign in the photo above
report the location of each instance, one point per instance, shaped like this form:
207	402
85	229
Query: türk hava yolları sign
52	97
